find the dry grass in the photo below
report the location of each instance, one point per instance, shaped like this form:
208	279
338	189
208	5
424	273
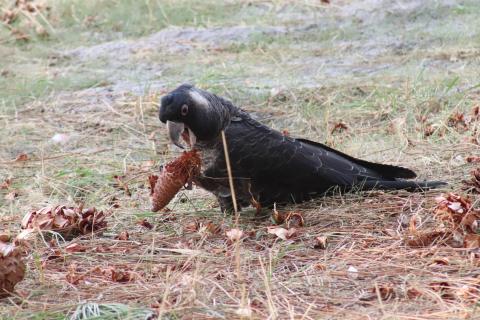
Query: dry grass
187	268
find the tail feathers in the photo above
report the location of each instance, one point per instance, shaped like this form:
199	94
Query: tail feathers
401	185
385	170
388	171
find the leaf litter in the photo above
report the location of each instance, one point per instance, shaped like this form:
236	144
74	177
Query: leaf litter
357	251
452	211
65	220
457	224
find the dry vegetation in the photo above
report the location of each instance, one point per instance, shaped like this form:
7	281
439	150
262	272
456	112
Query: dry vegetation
390	81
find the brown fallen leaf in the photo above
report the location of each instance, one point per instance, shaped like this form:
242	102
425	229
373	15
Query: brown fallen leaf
282	233
451	209
385	292
422	118
11	196
52	256
73	275
294	220
476	112
444	289
472	185
319	267
41	31
213	228
320	242
5	236
192	226
21	157
9	16
19	35
429	130
471	241
469	222
475	137
234	235
123	236
339	127
423	239
25	237
75	247
442	261
473	159
458	121
413	293
256	205
116	275
6	184
121	184
412	225
102	249
145	223
278	217
456	213
114	202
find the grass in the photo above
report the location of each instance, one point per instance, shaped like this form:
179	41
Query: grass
74	22
389	73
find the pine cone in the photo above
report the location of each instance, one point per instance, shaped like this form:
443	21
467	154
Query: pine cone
12	268
473	185
65	220
90	220
173	177
452	208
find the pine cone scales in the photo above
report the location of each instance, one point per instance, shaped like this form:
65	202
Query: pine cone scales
473	185
12	268
173	176
65	219
91	220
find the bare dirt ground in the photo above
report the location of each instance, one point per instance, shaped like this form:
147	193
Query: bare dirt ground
80	100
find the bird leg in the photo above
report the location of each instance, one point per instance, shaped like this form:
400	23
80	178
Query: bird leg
226	204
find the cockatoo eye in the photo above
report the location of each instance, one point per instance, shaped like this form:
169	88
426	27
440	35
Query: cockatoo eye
184	110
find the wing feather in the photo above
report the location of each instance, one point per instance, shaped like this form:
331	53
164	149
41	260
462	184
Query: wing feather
261	153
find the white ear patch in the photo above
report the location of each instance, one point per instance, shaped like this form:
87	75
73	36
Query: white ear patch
198	98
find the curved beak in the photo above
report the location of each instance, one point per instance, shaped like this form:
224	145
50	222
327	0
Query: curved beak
175	130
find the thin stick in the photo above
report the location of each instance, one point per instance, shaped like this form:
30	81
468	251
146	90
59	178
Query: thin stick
229	170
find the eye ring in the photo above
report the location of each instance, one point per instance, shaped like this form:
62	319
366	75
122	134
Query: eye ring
184	110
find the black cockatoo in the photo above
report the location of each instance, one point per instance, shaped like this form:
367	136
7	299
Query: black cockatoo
266	165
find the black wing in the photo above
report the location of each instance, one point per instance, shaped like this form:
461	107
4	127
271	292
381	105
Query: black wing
270	158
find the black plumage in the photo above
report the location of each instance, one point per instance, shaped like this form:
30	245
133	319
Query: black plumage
266	165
